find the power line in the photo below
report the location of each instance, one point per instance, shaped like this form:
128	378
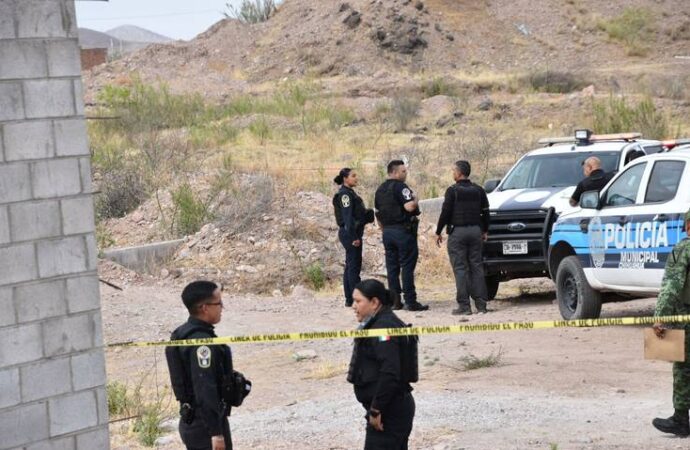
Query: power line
154	16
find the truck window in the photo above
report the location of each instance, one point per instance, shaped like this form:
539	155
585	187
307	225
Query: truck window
664	181
624	190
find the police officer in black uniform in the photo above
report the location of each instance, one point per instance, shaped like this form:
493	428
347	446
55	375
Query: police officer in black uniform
595	179
197	373
351	216
465	214
381	370
397	209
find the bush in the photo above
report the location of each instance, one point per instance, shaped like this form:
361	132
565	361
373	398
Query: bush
554	82
404	111
260	129
122	190
315	276
148	425
118	400
616	116
632	28
252	11
212	135
191	212
438	86
245	203
472	362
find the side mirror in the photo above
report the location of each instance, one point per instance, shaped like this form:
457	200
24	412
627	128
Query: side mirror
590	200
490	185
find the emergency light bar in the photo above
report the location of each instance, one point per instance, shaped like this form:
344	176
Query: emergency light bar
586	136
672	143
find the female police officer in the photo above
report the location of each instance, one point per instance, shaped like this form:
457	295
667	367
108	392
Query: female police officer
382	369
351	216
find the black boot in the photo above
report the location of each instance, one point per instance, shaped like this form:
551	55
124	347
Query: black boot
676	424
397	303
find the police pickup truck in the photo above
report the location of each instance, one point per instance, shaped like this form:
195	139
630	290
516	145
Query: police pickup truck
617	243
528	200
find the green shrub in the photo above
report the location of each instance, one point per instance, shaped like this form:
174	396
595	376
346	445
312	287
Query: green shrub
212	135
315	276
616	116
438	86
472	362
191	212
554	82
260	129
252	11
404	110
148	425
118	400
632	28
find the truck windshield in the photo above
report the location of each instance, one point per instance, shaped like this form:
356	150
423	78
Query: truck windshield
557	170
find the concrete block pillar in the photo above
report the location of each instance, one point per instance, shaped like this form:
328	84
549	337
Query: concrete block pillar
52	366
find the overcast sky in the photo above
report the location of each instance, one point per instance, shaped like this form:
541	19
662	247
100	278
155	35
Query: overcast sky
178	19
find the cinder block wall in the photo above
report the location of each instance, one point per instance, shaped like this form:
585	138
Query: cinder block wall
52	368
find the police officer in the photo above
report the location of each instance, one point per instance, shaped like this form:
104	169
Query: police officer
197	372
465	214
381	370
674	299
351	216
595	179
397	210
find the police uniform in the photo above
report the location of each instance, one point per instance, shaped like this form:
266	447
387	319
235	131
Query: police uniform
596	181
198	383
399	237
381	370
465	213
351	217
674	299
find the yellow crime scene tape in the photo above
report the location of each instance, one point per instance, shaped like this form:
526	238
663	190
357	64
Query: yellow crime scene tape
412	331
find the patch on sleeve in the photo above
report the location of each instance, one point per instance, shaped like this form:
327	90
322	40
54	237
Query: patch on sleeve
384	338
407	194
203	356
345	200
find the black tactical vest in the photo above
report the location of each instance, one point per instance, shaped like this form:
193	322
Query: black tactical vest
390	211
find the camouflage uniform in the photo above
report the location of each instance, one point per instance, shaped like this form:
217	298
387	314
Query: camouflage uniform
674	298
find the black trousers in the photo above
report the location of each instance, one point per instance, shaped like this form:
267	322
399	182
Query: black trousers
402	253
397	426
353	265
195	436
465	253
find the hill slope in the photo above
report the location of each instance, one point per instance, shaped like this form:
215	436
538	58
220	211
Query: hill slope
134	33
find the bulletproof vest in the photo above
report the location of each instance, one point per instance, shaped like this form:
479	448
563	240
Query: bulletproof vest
467	207
180	378
390	211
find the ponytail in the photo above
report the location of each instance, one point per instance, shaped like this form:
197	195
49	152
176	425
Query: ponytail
375	289
344	173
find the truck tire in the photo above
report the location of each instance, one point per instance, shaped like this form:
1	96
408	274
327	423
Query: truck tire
491	286
576	298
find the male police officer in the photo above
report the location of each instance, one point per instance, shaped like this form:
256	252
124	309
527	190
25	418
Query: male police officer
198	373
465	213
397	209
674	299
595	179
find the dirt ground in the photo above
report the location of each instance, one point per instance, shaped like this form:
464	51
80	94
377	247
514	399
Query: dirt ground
565	388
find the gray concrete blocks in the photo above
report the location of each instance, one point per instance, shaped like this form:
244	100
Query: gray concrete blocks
49	98
94	439
85	170
66	443
20	344
61	62
40	301
4	225
11	103
15	183
102	400
47	378
18	263
68	334
42	19
34	220
82	294
14	423
28	59
28	140
9	386
9	316
7	29
70	138
72	413
88	370
61	257
56	178
78	95
78	215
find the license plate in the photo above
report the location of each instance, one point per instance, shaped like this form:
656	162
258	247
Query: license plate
515	248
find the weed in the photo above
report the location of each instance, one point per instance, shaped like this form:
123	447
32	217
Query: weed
315	275
616	116
404	111
327	370
121	190
148	425
251	11
553	446
554	82
192	212
438	86
104	239
472	362
260	129
118	400
243	201
632	28
212	135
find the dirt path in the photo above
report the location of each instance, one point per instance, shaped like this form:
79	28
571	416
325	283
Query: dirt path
574	388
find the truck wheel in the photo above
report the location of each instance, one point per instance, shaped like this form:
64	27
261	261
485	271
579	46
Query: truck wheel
576	298
491	286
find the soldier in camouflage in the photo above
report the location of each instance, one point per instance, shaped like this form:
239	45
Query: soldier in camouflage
674	298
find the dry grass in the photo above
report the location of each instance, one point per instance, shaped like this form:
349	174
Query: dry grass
326	370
